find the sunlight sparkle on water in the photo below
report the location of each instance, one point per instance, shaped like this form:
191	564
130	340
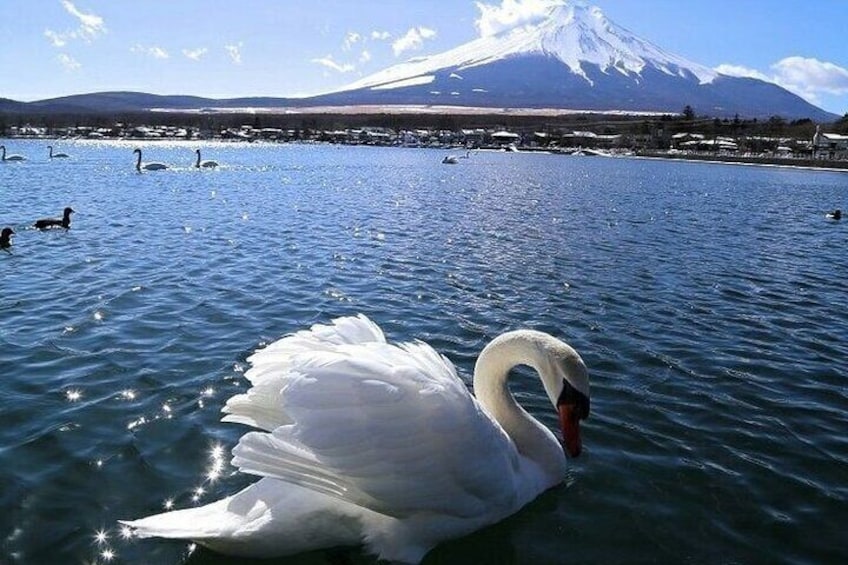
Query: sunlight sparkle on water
198	492
168	504
126	532
101	537
73	395
107	554
217	466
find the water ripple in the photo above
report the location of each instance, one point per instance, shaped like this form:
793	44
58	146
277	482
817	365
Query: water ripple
704	299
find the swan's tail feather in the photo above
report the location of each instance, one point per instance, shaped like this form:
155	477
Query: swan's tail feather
204	522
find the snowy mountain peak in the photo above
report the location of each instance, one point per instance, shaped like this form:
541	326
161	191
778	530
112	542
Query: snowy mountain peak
576	33
572	32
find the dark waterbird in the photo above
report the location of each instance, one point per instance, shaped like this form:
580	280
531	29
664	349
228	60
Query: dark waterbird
57	155
65	222
835	215
6	238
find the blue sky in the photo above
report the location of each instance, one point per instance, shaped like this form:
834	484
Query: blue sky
226	49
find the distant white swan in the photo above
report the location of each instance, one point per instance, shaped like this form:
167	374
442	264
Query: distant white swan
369	443
152	166
450	160
10	157
204	164
57	155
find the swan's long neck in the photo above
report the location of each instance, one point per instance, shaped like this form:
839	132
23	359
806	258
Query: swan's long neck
532	439
3	148
138	162
50	147
198	158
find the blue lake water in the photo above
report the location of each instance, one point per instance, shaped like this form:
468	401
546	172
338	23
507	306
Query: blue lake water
709	302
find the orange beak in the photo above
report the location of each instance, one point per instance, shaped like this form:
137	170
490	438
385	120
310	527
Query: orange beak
569	421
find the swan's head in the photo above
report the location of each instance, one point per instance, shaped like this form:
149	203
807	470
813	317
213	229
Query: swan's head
566	381
68	211
6	233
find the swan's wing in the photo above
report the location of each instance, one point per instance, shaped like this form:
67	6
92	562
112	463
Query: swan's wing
391	428
261	405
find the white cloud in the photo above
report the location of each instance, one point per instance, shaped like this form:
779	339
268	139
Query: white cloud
158	53
380	35
807	77
365	56
511	13
413	39
812	74
331	64
740	71
57	39
352	39
90	26
68	62
90	23
234	51
195	54
155	52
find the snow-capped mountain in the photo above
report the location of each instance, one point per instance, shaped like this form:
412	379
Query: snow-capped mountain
574	57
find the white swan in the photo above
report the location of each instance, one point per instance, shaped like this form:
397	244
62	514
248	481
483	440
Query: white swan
204	164
152	166
10	157
57	155
450	160
382	445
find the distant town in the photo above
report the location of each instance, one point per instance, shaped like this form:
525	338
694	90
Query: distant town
800	142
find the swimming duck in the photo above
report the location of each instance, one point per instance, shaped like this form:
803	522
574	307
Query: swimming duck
65	222
6	238
835	215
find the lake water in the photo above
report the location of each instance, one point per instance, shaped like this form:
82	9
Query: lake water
709	302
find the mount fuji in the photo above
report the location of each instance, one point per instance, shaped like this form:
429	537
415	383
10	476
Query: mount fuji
572	58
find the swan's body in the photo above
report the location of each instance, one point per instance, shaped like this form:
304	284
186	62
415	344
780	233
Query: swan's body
152	166
63	222
6	238
12	157
204	164
57	155
381	445
450	160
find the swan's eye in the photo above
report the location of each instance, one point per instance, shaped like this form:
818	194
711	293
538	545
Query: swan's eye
574	397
